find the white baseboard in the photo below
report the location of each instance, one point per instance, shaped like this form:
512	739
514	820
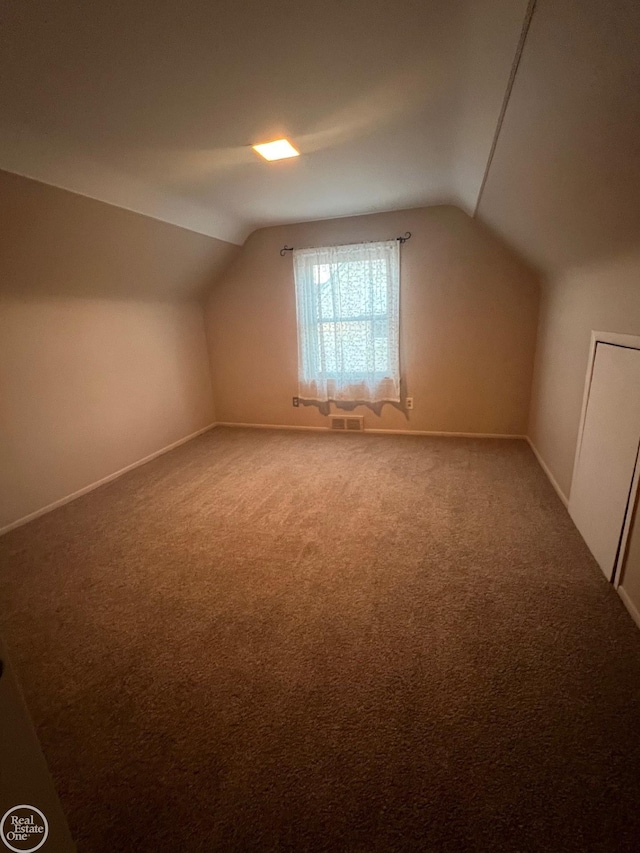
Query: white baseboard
374	431
633	610
271	426
68	498
444	434
545	468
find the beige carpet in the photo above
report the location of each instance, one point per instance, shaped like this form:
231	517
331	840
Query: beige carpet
276	641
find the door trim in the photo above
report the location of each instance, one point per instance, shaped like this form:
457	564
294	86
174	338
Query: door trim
628	342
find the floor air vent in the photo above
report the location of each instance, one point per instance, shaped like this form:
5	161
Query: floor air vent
353	423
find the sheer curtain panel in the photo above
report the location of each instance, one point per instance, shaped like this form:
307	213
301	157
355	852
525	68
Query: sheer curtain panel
348	309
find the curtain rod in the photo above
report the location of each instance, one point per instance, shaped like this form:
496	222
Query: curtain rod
407	236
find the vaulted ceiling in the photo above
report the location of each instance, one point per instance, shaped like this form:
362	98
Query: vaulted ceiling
564	183
153	105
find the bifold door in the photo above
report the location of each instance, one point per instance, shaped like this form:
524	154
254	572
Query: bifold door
607	452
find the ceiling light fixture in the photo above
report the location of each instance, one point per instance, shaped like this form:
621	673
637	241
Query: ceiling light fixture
278	150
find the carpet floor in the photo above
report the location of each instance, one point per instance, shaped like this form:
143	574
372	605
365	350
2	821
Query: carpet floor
278	641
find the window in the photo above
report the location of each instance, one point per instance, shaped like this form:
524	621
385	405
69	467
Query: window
347	301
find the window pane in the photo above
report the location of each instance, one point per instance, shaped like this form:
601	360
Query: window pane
327	348
356	345
381	349
351	347
359	287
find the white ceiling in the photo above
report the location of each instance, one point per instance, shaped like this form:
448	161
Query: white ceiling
153	106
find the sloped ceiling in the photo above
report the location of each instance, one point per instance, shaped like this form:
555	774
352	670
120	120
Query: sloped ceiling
88	249
564	183
153	106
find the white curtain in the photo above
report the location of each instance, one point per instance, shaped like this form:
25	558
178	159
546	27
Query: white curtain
348	322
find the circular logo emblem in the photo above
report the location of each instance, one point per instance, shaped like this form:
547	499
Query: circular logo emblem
24	828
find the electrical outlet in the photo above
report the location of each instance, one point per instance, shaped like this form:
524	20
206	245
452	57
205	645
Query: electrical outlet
296	401
409	402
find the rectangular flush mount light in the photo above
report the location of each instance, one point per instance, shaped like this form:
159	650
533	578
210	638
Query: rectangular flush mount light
278	150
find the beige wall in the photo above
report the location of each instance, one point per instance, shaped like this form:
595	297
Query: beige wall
88	386
468	319
103	356
604	297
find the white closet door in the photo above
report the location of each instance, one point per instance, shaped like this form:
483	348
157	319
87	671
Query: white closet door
607	452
